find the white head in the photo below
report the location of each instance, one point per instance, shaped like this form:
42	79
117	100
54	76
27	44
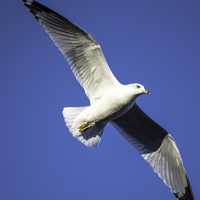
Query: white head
138	89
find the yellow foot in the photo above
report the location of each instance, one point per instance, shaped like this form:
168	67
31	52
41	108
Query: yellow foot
84	126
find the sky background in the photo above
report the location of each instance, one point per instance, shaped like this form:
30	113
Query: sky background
156	43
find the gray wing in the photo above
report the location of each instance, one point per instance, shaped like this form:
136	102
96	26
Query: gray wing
79	48
158	148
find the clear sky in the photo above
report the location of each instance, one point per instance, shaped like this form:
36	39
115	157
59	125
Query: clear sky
156	43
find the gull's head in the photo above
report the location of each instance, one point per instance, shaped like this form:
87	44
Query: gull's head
139	89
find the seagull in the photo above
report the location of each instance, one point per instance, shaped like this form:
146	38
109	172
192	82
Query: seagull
111	102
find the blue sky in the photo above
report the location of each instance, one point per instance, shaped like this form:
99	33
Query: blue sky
155	43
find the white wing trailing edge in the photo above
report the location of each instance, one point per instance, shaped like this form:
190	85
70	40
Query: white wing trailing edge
83	53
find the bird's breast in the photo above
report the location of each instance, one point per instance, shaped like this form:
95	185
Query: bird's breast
111	106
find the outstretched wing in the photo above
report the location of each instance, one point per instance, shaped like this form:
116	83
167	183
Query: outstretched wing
158	148
79	48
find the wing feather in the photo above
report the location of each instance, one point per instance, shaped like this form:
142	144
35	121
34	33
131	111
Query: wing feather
83	53
158	148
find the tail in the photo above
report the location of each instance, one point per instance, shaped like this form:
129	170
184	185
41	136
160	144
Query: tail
90	137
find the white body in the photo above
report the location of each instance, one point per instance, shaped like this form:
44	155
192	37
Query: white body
111	105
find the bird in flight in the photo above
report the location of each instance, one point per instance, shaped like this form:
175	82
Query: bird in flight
111	102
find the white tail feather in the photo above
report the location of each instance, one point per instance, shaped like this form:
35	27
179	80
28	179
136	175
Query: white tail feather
90	137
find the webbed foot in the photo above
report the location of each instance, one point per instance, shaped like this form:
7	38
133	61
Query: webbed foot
85	126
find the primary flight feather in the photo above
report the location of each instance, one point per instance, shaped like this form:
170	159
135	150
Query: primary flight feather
111	101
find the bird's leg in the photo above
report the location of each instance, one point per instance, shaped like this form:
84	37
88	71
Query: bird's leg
85	126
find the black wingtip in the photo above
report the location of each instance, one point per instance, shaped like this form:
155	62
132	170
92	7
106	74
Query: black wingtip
188	193
36	7
28	3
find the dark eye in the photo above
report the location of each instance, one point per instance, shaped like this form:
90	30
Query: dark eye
138	86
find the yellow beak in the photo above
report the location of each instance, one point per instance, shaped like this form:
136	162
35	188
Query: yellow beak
147	91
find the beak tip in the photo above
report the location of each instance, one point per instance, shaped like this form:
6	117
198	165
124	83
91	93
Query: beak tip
147	91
